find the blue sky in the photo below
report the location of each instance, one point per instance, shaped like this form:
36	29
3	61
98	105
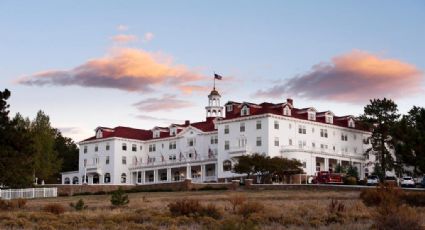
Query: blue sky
265	50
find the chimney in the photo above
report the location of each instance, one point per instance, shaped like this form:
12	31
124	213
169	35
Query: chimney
290	101
186	122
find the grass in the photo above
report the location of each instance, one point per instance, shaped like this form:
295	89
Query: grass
279	210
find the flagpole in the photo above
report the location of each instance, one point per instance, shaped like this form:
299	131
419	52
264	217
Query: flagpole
214	80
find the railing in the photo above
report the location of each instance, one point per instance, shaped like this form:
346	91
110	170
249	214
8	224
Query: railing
293	148
28	193
172	162
238	150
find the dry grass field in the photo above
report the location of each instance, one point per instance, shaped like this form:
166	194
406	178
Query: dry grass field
253	210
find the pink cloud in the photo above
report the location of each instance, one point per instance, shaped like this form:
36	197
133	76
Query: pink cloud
122	27
165	103
354	77
148	37
124	38
124	69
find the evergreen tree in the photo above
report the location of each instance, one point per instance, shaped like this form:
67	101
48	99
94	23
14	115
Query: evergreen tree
380	116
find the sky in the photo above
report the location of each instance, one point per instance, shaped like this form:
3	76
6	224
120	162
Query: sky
143	64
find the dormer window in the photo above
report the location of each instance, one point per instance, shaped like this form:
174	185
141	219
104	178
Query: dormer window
99	134
173	131
329	119
156	134
286	111
351	123
312	116
245	111
229	108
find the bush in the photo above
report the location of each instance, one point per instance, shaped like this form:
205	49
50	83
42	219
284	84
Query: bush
414	198
336	211
381	194
236	200
248	208
350	180
12	204
392	217
119	198
54	208
79	206
192	208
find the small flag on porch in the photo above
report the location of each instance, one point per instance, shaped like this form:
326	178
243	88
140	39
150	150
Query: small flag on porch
210	153
196	155
162	158
180	156
218	77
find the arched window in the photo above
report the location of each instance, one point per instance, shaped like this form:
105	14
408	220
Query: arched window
107	178
67	181
227	165
75	180
123	178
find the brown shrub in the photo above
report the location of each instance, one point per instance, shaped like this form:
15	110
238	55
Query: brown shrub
381	194
12	204
396	217
211	211
414	198
192	208
248	208
54	208
336	211
236	200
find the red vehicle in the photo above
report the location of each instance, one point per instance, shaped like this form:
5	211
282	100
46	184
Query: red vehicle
326	177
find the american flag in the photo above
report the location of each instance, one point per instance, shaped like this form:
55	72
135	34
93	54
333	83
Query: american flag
162	158
210	153
180	156
218	77
196	155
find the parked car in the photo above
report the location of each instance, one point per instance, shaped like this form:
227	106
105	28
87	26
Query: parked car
407	181
391	180
372	180
423	182
326	177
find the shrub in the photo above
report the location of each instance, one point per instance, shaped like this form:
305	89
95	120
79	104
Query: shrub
350	180
336	211
236	200
12	204
54	208
119	198
192	208
392	217
185	207
414	198
79	205
21	202
381	194
248	208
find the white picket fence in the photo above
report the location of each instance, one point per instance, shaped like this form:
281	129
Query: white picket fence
28	193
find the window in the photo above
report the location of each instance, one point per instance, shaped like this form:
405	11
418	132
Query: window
276	141
67	180
156	133
107	147
75	180
242	127
245	111
152	148
141	148
312	130
191	141
351	123
85	162
226	145
85	149
354	136
107	160
312	116
302	129
226	129
355	149
242	142
123	178
290	126
172	145
324	133
214	140
366	141
304	164
124	146
290	142
172	157
229	108
302	144
107	178
172	131
227	165
124	160
323	146
317	166
96	148
313	145
329	119
286	111
344	137
259	124
258	141
276	124
134	147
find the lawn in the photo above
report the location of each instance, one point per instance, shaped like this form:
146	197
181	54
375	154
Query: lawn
257	210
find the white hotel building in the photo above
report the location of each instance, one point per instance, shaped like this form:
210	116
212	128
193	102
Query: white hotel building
206	151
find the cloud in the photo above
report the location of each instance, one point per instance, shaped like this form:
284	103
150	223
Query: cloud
127	69
122	27
69	130
166	103
148	37
152	118
188	89
354	77
124	38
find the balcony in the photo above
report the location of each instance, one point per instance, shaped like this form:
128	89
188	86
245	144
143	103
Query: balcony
238	150
178	162
93	168
321	151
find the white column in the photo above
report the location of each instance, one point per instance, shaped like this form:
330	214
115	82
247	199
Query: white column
169	174
155	176
188	172
100	179
216	170
143	177
326	164
202	173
